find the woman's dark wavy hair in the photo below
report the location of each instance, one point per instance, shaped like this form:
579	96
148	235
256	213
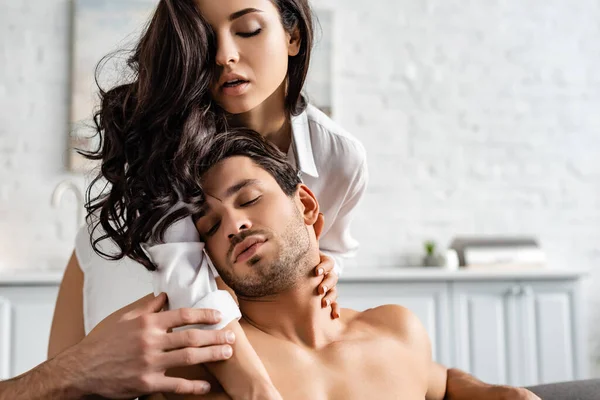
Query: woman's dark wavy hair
150	129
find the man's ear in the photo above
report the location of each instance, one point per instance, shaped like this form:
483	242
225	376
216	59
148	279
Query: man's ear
310	205
294	42
318	226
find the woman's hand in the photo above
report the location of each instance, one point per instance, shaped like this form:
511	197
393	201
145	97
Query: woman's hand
327	288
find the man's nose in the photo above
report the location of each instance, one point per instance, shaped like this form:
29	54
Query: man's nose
227	52
236	223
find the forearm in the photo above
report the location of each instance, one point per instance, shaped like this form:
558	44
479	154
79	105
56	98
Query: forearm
461	385
54	379
243	376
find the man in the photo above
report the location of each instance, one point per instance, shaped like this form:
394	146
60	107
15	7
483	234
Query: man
113	360
261	227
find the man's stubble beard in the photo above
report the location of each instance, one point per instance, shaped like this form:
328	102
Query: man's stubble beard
282	274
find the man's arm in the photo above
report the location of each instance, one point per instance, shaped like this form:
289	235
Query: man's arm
454	384
463	386
57	378
126	356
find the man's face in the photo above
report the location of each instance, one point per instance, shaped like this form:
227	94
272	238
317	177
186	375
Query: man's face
254	233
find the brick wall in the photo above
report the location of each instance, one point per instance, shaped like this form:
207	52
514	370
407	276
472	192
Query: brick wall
478	118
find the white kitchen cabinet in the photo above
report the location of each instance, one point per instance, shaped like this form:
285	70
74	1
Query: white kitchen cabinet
519	332
485	330
554	341
427	300
25	317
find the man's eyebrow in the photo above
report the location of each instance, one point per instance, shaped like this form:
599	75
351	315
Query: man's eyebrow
239	186
201	213
241	13
228	193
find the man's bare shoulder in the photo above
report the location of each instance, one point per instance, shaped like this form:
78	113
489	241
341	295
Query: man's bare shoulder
397	321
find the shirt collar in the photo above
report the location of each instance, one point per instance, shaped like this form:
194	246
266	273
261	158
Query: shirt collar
301	149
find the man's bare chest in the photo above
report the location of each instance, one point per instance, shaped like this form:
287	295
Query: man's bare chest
379	368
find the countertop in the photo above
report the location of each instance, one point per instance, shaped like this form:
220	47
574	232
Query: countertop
53	277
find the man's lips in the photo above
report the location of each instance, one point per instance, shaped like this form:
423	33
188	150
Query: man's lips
247	245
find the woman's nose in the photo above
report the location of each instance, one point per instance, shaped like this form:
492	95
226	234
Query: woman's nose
227	52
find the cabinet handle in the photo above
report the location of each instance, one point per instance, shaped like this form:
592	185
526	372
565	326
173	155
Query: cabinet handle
514	291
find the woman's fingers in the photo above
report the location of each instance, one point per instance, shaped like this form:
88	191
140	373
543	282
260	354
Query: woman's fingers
335	310
193	355
327	287
197	338
325	265
329	282
180	386
329	298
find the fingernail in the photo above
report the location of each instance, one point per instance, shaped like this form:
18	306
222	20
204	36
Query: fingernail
227	352
324	289
218	316
320	271
327	302
230	337
205	387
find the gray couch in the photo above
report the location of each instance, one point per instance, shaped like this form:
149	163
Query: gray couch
573	390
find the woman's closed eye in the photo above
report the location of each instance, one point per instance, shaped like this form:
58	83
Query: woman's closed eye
249	34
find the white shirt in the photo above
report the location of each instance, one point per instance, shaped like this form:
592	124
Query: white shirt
332	163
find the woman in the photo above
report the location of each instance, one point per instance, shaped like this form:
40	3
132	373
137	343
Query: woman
200	67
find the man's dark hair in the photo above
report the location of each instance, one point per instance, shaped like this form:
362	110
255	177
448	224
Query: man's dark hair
248	143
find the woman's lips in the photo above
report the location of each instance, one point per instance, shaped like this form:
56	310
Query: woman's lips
235	90
249	252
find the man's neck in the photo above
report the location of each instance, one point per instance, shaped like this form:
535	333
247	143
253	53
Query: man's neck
295	315
269	119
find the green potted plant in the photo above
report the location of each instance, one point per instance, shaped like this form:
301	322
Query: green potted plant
431	258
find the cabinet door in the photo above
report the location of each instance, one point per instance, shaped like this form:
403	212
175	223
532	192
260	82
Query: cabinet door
30	310
553	345
429	302
485	329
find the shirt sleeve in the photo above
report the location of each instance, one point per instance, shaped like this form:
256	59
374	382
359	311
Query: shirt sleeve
338	242
186	274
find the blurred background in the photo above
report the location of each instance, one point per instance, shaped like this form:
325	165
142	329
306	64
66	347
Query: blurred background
480	118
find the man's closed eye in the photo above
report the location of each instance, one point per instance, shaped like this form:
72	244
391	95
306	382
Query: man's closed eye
213	230
249	203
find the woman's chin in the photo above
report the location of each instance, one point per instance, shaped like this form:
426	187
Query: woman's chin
235	107
239	106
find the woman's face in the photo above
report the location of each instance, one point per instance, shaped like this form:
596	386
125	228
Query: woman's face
252	51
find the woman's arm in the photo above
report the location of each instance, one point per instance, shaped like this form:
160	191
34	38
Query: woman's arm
67	324
338	242
243	376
